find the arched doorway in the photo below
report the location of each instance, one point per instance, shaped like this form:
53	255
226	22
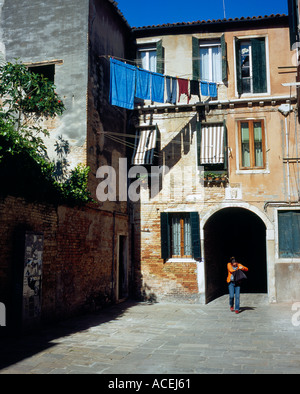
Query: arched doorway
234	232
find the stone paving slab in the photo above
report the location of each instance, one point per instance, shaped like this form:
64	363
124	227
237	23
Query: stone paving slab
163	338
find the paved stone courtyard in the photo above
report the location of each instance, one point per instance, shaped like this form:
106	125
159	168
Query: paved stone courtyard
164	338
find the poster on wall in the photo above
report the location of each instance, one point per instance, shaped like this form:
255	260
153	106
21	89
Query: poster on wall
32	278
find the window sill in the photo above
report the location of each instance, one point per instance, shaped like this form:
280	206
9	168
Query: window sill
253	171
251	95
181	260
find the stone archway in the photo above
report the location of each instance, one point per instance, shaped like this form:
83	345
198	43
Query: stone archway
234	231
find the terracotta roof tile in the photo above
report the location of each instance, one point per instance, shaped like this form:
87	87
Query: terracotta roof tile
209	21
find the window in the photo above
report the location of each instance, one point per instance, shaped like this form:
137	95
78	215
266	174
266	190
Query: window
252	144
181	241
210	61
289	234
251	66
147	58
180	235
151	57
47	71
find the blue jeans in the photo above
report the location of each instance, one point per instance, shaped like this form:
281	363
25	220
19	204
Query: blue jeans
234	290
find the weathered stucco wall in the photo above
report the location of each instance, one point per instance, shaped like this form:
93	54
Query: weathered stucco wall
46	31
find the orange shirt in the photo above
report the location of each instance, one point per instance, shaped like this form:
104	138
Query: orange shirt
231	270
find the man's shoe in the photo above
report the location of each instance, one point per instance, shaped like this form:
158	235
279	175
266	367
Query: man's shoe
237	312
232	308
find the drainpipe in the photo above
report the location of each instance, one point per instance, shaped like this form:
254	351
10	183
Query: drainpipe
297	156
285	110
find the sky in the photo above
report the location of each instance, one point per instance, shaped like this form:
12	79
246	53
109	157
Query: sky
155	12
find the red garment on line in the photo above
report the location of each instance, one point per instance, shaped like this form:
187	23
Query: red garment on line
183	85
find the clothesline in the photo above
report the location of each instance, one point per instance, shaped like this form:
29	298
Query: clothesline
128	82
135	61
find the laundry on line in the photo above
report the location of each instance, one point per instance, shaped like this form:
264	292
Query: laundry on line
129	82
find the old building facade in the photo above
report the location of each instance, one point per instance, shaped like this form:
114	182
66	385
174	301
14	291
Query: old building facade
84	252
246	129
215	154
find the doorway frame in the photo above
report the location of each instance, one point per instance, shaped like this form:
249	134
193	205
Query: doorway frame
270	241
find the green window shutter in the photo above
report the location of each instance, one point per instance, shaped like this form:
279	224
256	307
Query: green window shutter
296	233
238	67
259	68
195	229
196	59
289	234
160	68
199	139
224	59
225	146
165	236
293	21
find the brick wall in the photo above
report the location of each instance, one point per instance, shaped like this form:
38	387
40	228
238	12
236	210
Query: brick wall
80	249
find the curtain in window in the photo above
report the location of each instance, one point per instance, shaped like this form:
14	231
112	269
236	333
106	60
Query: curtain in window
211	64
216	64
152	61
144	60
175	235
258	145
204	64
245	145
187	237
148	60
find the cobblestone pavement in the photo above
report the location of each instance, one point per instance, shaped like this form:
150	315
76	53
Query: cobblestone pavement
164	338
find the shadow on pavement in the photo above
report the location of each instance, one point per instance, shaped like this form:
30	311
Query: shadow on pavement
16	348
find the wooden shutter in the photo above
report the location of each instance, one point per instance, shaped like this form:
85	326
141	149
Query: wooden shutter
293	21
196	57
224	59
165	236
160	68
239	85
195	229
259	68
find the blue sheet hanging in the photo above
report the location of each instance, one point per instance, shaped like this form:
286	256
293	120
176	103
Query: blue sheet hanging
213	89
157	87
122	84
143	84
204	88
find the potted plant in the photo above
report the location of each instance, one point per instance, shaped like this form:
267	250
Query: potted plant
210	176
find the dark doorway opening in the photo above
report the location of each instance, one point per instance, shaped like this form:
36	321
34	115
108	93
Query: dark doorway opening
240	233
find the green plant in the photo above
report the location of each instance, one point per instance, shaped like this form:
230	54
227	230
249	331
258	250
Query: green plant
26	99
75	188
